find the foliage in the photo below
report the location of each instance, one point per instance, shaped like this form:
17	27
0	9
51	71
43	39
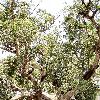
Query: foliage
82	36
64	63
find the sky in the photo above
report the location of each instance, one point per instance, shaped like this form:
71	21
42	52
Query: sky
51	6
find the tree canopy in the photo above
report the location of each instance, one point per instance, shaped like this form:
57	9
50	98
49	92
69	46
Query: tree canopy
39	61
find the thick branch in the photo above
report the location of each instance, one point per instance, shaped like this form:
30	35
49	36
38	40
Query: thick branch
25	58
24	64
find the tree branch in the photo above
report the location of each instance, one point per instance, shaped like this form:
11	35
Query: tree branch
94	66
17	47
7	49
2	5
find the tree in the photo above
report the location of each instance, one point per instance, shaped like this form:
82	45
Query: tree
20	34
40	62
82	30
